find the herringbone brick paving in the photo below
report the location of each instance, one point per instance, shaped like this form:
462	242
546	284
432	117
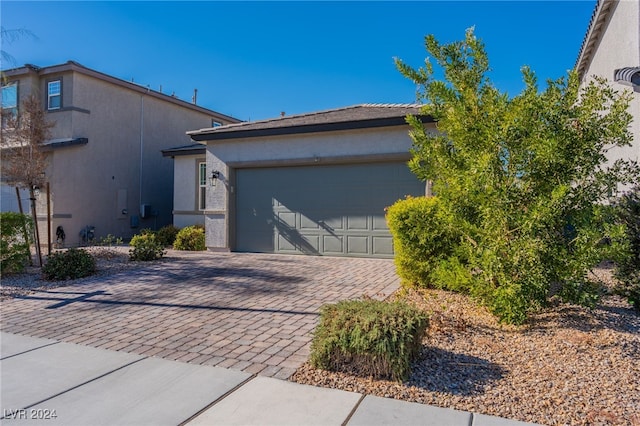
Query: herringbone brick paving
253	312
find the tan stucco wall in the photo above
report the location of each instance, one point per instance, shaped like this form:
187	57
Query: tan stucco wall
619	47
185	189
120	124
317	148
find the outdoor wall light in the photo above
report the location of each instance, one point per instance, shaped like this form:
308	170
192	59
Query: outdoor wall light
215	175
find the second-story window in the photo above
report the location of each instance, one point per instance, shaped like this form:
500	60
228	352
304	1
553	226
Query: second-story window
9	102
54	94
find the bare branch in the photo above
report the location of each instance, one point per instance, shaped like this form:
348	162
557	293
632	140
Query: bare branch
23	137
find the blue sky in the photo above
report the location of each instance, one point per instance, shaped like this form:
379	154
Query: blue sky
253	60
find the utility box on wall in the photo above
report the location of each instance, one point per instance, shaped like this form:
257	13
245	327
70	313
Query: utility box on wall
145	210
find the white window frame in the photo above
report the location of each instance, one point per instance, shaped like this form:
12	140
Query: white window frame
202	185
53	95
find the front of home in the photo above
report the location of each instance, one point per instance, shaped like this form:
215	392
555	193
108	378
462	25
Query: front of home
319	183
313	183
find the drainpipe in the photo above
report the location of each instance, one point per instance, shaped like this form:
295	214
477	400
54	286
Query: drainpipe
141	145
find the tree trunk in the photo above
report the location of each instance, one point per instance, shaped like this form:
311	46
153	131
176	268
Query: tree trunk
48	219
35	225
24	225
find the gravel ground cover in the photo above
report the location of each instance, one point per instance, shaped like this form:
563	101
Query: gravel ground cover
109	260
567	366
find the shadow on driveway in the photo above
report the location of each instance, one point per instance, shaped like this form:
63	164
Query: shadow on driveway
87	298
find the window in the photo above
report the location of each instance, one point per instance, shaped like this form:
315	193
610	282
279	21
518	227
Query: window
9	102
202	186
54	95
215	123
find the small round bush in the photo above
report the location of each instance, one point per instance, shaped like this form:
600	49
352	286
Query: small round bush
145	247
69	265
167	235
190	238
14	246
368	338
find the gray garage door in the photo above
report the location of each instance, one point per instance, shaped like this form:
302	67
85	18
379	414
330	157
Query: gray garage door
323	210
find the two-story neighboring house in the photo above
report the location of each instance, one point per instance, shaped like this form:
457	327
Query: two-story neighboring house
105	167
611	49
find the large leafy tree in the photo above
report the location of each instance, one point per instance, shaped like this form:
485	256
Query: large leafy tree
519	179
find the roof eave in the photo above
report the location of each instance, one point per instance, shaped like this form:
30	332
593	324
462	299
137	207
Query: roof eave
212	135
179	152
63	143
600	14
76	67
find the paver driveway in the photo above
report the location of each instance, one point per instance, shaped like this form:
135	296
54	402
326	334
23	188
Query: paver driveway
253	312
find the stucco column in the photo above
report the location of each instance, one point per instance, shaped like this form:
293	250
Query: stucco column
217	211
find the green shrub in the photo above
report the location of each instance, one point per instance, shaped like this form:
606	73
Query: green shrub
628	268
14	248
146	231
109	241
167	235
190	238
423	240
368	338
145	247
69	265
520	180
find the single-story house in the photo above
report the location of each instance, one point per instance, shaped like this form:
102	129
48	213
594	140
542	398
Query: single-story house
315	183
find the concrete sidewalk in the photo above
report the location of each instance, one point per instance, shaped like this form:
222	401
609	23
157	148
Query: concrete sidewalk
54	382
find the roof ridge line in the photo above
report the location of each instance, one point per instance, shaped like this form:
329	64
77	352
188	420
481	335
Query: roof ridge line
324	111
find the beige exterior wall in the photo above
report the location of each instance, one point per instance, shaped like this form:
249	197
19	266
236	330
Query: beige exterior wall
104	182
351	146
619	47
185	191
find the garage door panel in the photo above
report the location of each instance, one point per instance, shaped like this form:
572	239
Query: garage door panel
333	224
285	244
333	244
380	224
358	245
357	223
261	242
382	246
288	219
332	210
308	224
297	243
